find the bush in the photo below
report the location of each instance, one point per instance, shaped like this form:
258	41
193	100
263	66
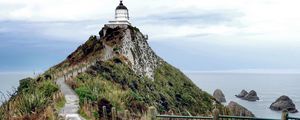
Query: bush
25	84
85	93
48	88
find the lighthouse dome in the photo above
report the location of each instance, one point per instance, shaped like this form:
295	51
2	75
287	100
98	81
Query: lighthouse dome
122	13
121	6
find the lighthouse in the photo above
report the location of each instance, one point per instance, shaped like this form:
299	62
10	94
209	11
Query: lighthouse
121	15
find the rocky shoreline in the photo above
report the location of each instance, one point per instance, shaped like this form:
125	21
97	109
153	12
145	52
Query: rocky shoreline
282	103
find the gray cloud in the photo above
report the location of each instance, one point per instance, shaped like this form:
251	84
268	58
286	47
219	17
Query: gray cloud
201	17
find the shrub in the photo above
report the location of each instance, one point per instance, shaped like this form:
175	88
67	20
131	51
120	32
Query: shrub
85	93
29	103
48	88
25	84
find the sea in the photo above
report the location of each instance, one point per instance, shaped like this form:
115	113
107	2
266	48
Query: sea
269	87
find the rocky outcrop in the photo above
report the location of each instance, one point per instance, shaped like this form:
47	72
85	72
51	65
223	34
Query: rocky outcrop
251	96
238	110
284	103
219	96
134	47
242	94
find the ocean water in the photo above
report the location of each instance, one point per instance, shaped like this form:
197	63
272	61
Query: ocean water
268	86
10	81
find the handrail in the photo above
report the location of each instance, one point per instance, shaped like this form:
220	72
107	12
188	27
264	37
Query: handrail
215	116
293	118
242	117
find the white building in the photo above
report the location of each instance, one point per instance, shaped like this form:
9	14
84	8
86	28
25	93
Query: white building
121	15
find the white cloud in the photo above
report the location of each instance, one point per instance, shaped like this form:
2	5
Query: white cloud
240	33
259	20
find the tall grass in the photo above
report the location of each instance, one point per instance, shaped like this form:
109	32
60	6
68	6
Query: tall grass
93	91
30	103
33	99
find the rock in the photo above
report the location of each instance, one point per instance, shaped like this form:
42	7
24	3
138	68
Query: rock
242	94
251	96
238	110
219	96
284	103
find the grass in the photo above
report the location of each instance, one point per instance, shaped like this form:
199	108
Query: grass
116	85
32	100
96	90
60	104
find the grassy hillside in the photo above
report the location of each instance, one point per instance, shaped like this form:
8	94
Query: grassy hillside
114	84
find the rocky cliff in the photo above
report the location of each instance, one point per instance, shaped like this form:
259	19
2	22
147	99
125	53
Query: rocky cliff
132	44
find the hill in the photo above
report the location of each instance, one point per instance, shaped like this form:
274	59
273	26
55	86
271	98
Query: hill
130	76
124	73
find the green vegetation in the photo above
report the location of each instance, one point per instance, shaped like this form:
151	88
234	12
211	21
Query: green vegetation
98	90
32	100
114	84
60	104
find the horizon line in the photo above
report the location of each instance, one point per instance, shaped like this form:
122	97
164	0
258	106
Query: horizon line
254	71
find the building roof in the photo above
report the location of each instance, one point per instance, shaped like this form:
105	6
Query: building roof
121	6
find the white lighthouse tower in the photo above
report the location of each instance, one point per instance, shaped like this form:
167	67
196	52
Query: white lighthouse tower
121	15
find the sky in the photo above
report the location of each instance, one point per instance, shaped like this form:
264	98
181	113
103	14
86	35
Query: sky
193	35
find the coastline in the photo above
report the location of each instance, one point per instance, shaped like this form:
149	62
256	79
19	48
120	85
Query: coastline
268	87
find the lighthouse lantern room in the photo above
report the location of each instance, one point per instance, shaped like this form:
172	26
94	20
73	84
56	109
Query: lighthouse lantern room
121	15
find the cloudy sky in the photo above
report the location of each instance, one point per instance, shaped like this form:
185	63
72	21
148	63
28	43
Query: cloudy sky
193	35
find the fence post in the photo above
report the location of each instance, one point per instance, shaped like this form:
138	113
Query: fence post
284	115
127	115
151	113
104	113
113	113
216	114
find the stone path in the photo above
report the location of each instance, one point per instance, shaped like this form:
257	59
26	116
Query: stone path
70	110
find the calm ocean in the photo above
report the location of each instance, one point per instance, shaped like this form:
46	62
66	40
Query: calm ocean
268	87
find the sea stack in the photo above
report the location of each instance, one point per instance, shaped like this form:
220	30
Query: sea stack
284	103
251	96
219	96
242	94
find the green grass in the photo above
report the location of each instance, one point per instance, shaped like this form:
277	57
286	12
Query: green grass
60	104
32	97
85	116
117	83
96	88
